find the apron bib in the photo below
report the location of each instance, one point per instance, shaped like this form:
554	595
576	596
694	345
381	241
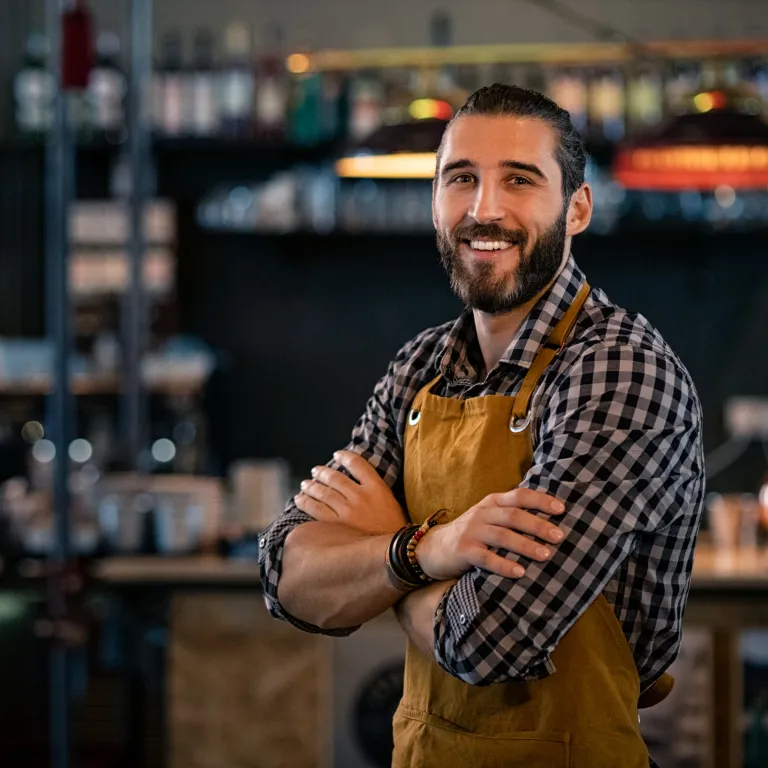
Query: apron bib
585	715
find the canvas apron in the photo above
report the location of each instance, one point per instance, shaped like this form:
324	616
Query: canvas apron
585	715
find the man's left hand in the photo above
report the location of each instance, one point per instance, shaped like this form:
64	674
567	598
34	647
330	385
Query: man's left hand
368	504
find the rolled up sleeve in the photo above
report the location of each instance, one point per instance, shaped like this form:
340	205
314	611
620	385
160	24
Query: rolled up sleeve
375	438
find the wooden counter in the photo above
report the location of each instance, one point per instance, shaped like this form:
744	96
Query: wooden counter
737	571
190	572
241	684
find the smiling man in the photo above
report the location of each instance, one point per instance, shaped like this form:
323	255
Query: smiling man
524	487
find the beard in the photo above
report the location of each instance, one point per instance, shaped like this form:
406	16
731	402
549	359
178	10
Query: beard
478	286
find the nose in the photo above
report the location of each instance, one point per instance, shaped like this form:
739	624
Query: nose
486	206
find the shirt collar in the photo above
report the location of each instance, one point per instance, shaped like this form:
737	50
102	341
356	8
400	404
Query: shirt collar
459	359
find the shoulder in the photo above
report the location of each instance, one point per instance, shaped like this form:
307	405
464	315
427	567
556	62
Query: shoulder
422	353
416	363
617	355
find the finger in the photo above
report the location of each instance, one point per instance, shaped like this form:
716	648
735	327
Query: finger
501	538
358	467
527	498
522	521
336	480
490	561
315	509
322	493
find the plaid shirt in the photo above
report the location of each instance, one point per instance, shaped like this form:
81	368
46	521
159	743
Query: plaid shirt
617	433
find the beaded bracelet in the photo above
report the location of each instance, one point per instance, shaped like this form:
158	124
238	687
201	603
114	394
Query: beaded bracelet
417	536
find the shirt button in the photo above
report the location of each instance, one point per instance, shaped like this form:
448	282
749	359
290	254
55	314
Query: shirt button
263	542
462	619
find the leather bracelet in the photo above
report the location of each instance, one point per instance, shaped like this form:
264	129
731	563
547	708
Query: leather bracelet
396	560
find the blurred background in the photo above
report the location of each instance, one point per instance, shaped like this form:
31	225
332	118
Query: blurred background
215	232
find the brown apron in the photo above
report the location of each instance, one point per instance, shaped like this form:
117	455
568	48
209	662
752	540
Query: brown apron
584	715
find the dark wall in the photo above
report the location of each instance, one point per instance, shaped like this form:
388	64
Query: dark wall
309	324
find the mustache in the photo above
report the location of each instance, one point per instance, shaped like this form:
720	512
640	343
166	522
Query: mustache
489	232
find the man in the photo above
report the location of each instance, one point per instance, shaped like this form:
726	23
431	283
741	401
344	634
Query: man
543	392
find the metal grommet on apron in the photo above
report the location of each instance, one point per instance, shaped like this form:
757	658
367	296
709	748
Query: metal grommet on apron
413	417
521	423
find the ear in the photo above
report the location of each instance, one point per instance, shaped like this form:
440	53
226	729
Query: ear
579	210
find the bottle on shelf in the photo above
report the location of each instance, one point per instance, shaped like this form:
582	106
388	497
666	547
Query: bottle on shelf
366	105
107	88
759	80
203	116
270	106
236	83
76	63
445	87
607	108
645	99
306	114
33	90
568	89
398	95
168	87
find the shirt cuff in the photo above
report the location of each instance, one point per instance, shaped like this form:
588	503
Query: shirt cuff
458	615
460	608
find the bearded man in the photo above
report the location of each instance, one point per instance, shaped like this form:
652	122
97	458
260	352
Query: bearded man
525	486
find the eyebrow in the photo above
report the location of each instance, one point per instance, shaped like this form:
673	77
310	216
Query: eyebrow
514	165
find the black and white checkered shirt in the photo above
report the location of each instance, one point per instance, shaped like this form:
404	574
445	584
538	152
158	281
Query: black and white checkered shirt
617	432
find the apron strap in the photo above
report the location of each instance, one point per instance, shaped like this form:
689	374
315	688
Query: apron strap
548	353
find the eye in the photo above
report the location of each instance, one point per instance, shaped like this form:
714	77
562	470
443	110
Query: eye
519	180
462	178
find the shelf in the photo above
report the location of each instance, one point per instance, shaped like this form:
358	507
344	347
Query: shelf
535	53
102	385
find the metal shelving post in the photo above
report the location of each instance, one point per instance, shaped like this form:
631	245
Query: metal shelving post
134	320
59	192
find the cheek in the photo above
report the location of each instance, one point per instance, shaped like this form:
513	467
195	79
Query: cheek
447	212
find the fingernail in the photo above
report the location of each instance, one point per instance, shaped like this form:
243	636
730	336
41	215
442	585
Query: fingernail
558	506
556	535
314	471
518	570
297	498
304	484
337	456
543	552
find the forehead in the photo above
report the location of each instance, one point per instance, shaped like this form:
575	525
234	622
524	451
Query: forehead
490	139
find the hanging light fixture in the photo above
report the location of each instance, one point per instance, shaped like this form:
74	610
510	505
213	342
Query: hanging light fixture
721	141
404	151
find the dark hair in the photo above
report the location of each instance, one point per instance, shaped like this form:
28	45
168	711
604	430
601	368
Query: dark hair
514	101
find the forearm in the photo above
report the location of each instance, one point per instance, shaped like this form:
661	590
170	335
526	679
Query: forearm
416	614
334	576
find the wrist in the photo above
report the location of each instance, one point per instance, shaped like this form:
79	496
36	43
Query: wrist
426	553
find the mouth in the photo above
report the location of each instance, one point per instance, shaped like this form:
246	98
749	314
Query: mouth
488	249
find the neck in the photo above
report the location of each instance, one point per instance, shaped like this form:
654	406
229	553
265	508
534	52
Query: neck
496	332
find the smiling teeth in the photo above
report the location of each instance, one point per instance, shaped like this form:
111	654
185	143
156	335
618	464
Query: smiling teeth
486	245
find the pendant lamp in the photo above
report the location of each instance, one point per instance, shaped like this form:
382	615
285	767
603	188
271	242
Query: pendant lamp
404	151
722	140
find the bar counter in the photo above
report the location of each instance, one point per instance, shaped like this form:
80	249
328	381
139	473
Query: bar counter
736	571
263	678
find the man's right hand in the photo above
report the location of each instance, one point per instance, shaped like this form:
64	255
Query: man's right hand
501	521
